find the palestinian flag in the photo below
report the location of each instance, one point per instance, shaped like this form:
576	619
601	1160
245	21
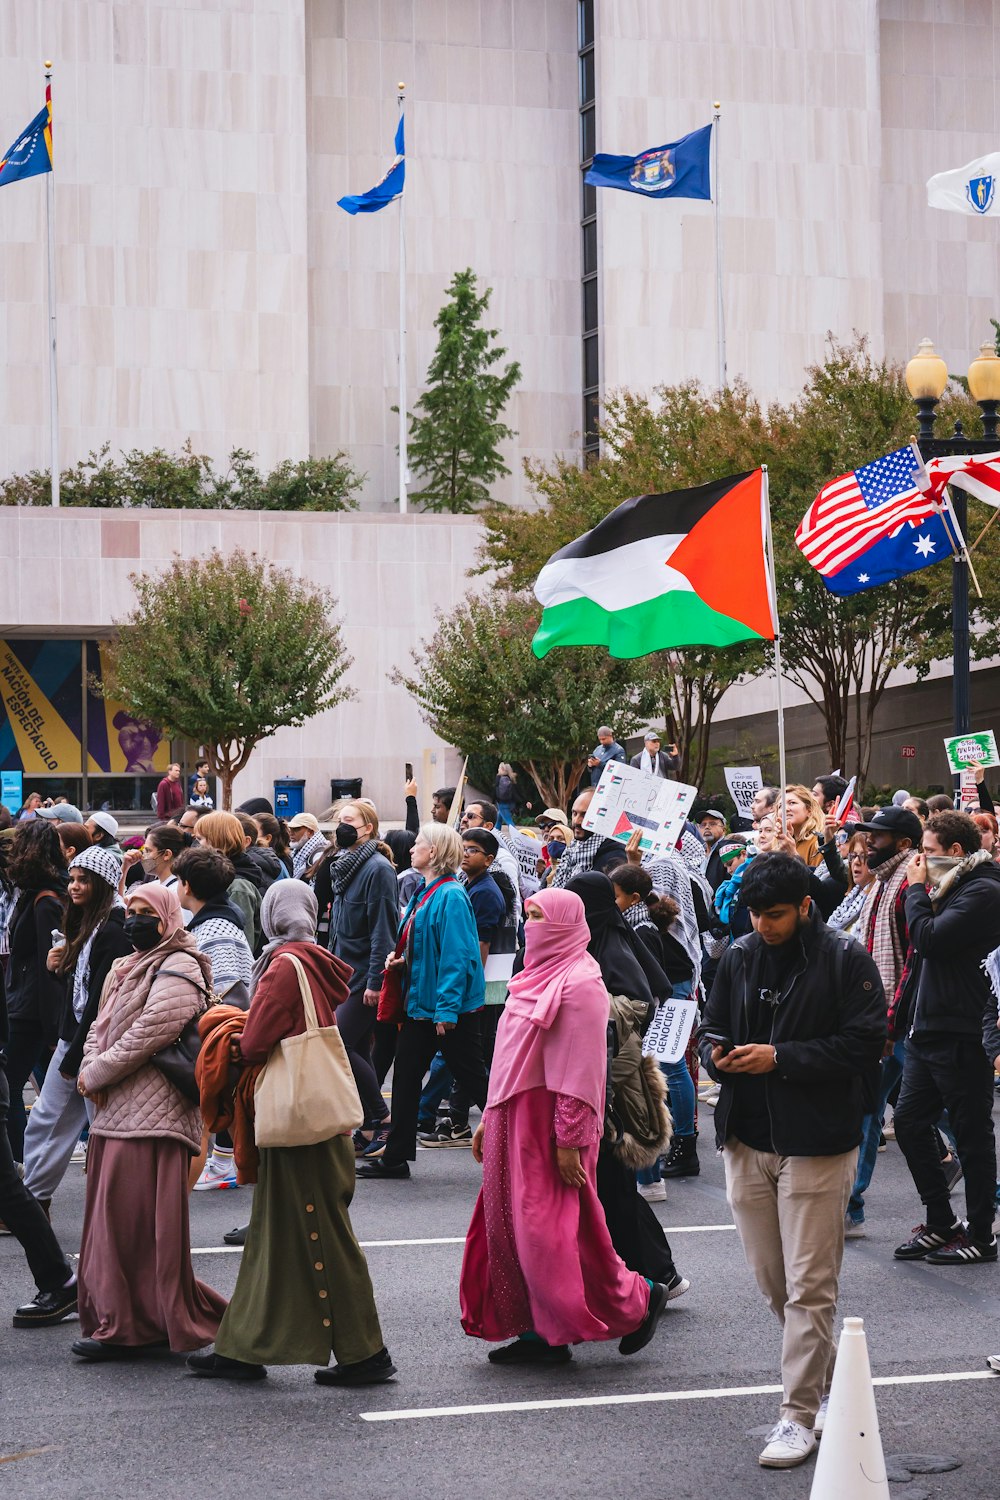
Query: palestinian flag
663	572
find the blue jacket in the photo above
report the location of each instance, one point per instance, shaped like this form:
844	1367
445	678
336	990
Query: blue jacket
446	973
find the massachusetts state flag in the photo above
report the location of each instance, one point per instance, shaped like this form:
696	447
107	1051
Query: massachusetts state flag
658	574
679	169
386	190
875	524
31	153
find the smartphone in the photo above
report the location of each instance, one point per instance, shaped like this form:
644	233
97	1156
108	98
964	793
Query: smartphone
717	1039
408	772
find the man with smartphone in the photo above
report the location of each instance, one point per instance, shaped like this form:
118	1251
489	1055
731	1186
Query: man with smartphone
653	760
793	1032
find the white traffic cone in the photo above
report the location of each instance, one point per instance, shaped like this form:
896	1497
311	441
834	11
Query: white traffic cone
851	1462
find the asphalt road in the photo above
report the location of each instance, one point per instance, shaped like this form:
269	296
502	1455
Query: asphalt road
149	1429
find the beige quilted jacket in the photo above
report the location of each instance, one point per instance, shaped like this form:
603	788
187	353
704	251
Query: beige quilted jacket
137	1019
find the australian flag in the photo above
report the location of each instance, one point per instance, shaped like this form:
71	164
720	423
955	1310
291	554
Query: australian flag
874	524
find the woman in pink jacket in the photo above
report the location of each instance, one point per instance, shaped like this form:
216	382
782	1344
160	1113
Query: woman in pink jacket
137	1284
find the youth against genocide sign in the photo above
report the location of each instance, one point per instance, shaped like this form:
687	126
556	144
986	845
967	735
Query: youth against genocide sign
744	782
627	801
670	1030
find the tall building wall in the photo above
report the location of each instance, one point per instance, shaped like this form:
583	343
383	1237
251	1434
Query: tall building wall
801	211
939	63
491	120
210	289
180	192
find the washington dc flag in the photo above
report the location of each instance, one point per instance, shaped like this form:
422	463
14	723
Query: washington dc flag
663	572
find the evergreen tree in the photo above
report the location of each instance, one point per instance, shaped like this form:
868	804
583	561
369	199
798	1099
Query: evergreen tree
454	443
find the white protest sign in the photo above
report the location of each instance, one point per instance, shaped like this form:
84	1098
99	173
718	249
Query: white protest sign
744	782
626	801
670	1030
978	746
968	790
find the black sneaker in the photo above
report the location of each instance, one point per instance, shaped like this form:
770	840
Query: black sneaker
963	1250
449	1135
428	1134
379	1169
925	1239
48	1308
237	1236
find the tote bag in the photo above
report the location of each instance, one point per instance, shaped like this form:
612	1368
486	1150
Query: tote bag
306	1091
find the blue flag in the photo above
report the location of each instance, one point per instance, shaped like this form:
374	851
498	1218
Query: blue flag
386	190
31	153
678	170
876	523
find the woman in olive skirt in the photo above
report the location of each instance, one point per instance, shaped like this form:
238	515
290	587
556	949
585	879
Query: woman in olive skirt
303	1288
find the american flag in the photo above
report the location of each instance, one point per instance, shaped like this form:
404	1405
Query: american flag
853	512
976	473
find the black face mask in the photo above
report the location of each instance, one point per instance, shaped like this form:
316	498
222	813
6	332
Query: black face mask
143	931
346	835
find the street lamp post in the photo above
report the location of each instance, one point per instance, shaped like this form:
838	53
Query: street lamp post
926	378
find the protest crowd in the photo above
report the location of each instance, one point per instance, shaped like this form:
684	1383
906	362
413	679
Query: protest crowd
308	1005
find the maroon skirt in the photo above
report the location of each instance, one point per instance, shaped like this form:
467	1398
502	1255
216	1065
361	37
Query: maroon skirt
137	1284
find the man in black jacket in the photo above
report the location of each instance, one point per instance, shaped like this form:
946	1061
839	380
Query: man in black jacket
793	1032
653	760
953	917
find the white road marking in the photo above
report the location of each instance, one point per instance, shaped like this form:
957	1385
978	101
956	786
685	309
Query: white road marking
459	1239
365	1245
641	1398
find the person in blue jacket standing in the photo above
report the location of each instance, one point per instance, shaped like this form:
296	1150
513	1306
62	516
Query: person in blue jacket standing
444	987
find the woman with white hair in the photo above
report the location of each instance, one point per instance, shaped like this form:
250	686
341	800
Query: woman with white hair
443	984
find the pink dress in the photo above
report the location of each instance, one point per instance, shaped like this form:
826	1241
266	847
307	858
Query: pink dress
538	1257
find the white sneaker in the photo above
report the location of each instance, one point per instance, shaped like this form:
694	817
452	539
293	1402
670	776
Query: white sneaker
79	1157
993	1362
216	1174
820	1422
853	1230
677	1286
653	1192
788	1444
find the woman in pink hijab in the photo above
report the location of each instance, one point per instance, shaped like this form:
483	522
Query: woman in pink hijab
137	1285
539	1264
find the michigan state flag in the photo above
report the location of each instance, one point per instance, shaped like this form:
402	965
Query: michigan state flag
663	572
680	169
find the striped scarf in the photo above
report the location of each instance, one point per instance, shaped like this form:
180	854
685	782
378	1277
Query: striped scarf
878	927
577	860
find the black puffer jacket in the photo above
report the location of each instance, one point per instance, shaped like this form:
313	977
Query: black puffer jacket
828	1031
945	989
33	994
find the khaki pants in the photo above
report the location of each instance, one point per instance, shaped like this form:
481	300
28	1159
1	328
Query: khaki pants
789	1213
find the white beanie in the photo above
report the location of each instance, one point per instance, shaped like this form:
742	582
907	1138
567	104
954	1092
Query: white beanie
100	862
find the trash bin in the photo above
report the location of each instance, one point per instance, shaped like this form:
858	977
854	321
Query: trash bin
289	797
344	786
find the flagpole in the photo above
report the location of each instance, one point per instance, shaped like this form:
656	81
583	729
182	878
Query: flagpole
400	100
773	582
50	217
720	314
